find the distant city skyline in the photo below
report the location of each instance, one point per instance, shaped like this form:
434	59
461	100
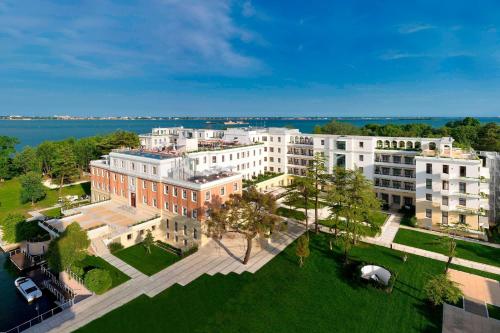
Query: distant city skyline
250	58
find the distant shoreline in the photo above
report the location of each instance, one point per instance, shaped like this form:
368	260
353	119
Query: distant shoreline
76	118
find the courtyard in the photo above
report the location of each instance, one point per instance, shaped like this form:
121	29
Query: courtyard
281	297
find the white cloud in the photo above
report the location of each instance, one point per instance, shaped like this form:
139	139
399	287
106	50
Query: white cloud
248	9
110	39
413	28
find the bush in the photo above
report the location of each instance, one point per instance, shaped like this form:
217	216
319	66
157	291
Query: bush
439	289
98	280
115	247
190	251
409	218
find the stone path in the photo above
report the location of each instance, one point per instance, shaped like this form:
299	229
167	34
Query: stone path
441	257
123	266
457	320
213	258
390	229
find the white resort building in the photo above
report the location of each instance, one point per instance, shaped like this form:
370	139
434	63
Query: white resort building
168	185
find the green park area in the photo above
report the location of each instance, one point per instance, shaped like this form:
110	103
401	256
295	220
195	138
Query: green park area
465	250
282	297
10	202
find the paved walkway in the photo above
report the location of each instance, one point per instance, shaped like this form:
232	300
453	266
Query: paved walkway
123	266
477	287
389	229
215	257
441	257
457	320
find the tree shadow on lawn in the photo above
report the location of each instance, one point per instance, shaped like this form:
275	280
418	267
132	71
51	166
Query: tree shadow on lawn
433	313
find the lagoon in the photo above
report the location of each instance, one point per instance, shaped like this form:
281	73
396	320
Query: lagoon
33	132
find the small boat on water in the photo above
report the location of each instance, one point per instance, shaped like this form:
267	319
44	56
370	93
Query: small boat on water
28	288
239	122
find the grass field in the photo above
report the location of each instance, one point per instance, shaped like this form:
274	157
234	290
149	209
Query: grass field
466	250
53	212
117	276
377	218
281	297
493	311
291	213
147	263
9	197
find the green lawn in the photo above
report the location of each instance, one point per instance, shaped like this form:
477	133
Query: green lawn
53	212
9	197
310	204
291	213
466	250
281	297
493	311
117	276
148	264
377	218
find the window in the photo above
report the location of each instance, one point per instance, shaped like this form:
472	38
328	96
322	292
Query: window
444	217
361	169
341	145
185	242
168	235
446	185
145	199
322	142
462	202
168	224
271	149
154	187
462	187
428	197
175	192
154	203
235	187
133	166
154	170
214	159
361	144
176	209
141	232
165	189
463	171
144	184
279	138
144	168
129	236
428	184
165	205
461	218
428	213
184	194
445	201
153	228
184	211
207	196
194	213
446	168
176	226
428	168
361	157
222	191
185	230
194	196
195	234
396	199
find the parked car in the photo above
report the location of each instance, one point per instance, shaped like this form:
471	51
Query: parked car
28	288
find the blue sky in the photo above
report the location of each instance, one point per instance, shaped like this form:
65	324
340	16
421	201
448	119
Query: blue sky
248	58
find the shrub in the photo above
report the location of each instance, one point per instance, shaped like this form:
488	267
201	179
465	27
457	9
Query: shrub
16	229
98	280
439	289
115	247
190	251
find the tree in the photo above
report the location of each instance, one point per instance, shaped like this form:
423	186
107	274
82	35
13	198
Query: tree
46	152
27	161
7	148
85	150
118	139
439	289
98	280
452	231
32	189
69	248
64	164
148	241
316	171
301	189
353	201
339	128
302	250
250	214
489	138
